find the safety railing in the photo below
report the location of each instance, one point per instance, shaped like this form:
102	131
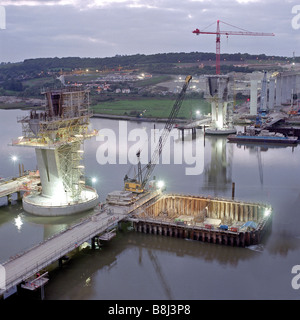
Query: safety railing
41	260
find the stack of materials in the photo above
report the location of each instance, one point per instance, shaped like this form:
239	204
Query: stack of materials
121	198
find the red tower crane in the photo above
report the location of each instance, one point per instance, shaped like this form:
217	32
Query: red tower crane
218	34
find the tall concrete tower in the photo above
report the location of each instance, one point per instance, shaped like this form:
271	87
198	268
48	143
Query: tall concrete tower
287	89
57	134
221	122
253	97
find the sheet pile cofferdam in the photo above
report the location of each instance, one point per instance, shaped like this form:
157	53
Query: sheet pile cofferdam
205	219
57	133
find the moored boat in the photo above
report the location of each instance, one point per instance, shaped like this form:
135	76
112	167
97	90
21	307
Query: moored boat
265	136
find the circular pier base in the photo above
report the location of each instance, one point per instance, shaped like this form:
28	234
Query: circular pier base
40	205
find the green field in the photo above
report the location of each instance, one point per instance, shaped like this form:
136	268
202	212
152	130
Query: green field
154	108
16	105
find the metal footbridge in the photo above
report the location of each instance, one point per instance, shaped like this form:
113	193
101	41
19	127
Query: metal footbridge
23	266
195	124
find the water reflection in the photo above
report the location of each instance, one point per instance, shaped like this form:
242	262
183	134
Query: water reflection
139	266
149	259
190	248
158	269
258	151
218	170
18	222
54	225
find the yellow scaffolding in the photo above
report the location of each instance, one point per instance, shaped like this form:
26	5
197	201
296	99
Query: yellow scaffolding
63	126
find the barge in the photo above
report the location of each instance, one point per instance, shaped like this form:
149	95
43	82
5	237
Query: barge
263	137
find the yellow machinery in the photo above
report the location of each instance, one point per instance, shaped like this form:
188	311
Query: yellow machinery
138	183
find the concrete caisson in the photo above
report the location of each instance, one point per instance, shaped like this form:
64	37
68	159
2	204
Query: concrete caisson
201	218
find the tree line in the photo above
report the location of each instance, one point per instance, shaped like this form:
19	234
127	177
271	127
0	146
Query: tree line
126	61
13	75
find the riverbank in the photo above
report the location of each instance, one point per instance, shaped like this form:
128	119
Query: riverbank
12	102
130	118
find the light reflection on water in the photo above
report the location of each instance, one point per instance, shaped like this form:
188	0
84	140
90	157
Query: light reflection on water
138	266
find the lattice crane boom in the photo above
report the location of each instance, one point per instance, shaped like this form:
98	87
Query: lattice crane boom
138	185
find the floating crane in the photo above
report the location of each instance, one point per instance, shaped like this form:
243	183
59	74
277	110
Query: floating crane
138	183
218	34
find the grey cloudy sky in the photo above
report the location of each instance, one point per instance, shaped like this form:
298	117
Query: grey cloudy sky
104	28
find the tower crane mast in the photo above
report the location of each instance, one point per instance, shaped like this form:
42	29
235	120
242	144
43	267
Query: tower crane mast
218	34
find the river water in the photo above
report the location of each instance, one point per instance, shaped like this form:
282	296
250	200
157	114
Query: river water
138	266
